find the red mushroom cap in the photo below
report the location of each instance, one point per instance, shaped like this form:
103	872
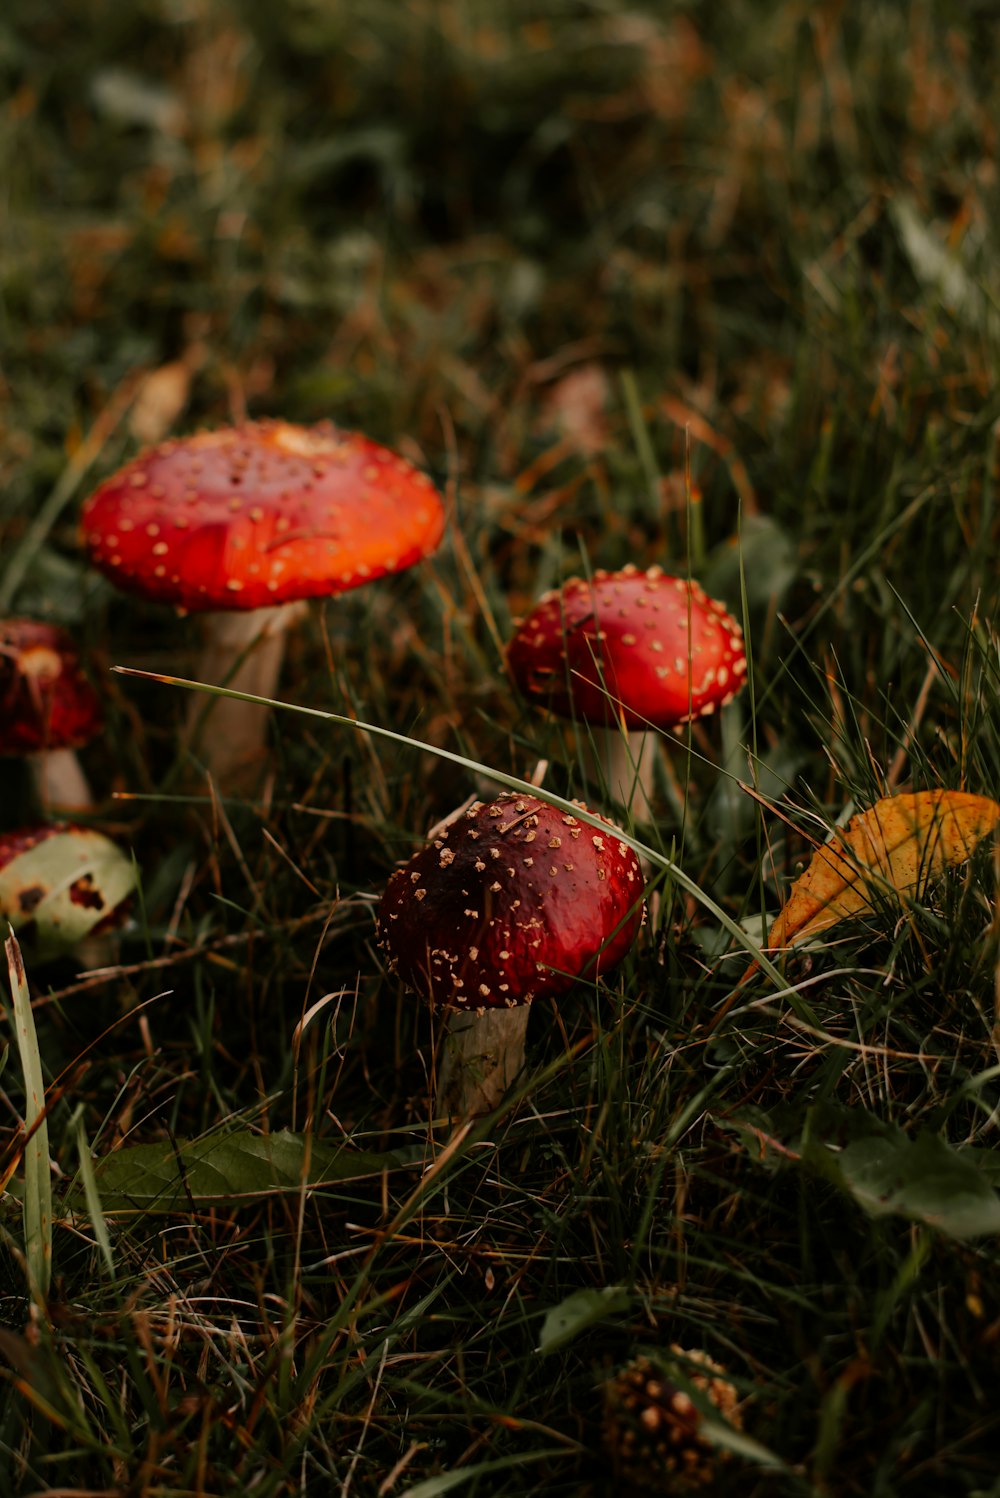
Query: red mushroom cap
46	702
510	903
258	515
645	647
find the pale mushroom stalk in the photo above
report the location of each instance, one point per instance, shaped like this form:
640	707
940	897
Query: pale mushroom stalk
242	650
624	761
482	1056
60	783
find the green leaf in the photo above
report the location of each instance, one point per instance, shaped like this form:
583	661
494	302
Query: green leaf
764	556
224	1168
924	1179
577	1312
886	1171
939	268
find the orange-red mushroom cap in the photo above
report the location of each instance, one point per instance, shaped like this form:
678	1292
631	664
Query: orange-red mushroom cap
258	515
643	647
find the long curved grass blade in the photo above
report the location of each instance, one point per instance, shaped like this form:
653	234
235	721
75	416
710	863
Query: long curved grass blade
511	783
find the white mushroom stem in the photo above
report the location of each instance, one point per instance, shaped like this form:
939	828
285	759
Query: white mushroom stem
242	650
60	783
481	1057
624	764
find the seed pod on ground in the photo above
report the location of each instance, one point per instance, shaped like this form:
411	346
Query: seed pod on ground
654	1433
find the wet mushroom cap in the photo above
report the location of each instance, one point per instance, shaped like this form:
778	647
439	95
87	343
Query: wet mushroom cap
46	701
643	647
258	515
512	902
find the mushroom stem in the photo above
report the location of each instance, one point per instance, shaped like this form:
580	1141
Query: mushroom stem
60	784
481	1057
242	650
624	764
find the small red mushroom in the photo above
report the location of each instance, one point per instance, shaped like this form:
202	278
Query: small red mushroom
242	525
629	650
48	710
513	901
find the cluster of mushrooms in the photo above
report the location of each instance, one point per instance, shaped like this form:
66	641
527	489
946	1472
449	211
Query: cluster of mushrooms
510	901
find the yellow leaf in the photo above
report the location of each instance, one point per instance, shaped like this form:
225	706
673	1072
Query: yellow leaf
895	848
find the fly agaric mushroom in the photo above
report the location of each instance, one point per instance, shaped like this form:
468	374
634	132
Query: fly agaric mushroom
242	525
624	651
63	888
48	710
512	902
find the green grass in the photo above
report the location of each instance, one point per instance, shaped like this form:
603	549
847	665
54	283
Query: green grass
546	251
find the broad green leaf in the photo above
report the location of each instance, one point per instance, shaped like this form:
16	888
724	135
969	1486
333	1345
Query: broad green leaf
578	1311
221	1168
923	1179
763	555
887	1172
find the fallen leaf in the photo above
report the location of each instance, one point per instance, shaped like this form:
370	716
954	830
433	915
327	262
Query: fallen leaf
578	1312
240	1165
896	847
577	407
161	399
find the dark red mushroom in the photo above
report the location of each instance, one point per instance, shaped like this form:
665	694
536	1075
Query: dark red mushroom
629	650
48	710
62	888
513	901
245	523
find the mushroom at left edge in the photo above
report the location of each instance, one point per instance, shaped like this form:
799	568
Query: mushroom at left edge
513	901
63	888
48	710
241	526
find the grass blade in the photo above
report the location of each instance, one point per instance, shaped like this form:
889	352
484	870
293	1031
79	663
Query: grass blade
91	1194
37	1180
